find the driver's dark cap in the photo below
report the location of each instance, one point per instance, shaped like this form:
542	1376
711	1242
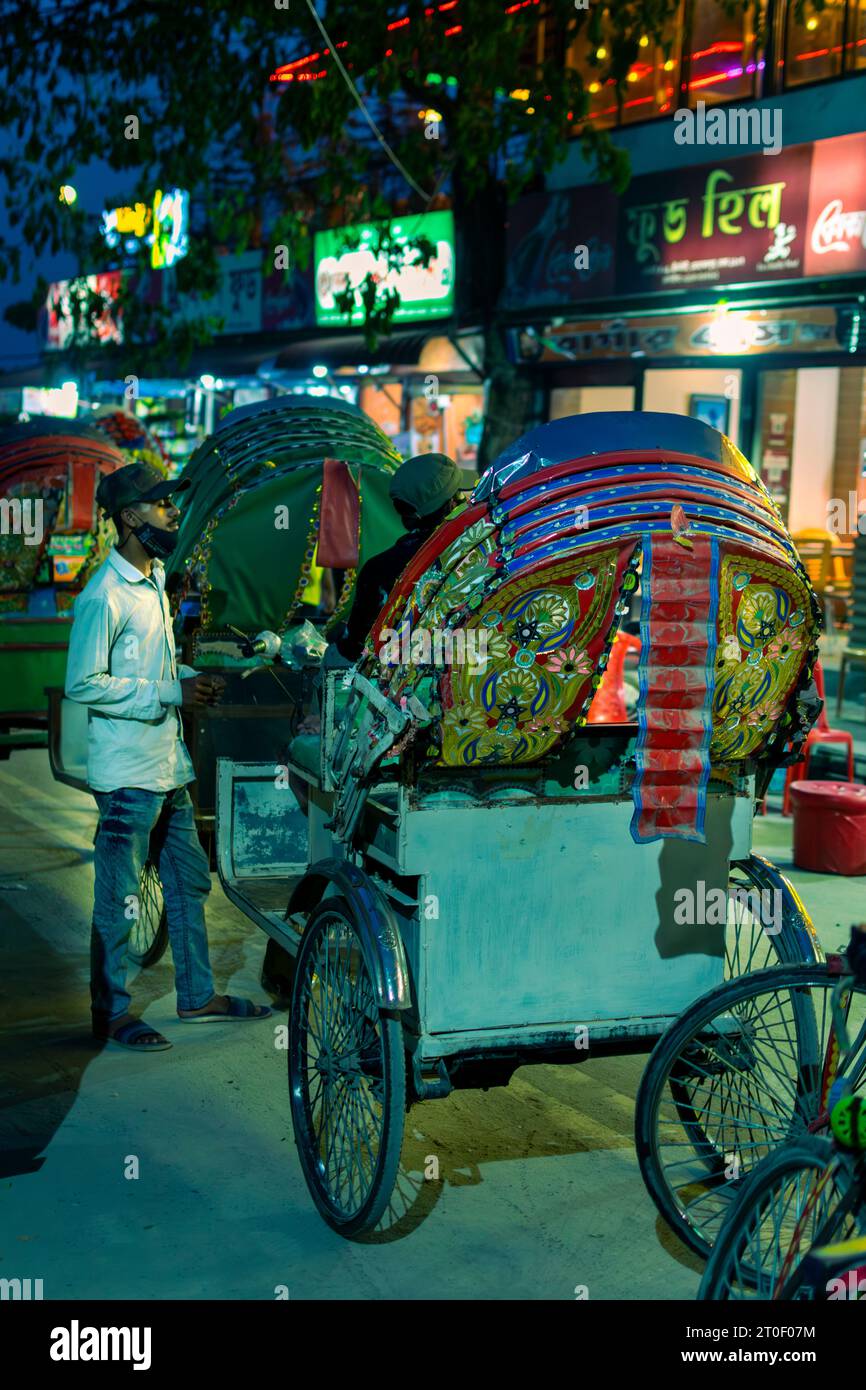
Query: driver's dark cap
137	482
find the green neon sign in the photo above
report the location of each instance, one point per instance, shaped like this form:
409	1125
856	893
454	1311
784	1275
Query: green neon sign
426	292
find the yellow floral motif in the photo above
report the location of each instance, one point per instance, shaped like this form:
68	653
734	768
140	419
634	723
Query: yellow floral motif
545	615
523	703
751	694
464	719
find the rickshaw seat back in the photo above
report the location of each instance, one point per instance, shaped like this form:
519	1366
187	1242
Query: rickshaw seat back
506	617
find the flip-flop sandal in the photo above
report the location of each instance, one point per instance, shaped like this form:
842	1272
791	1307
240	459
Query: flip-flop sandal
131	1036
239	1010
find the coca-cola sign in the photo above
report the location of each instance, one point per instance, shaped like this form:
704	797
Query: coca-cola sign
837	230
836	226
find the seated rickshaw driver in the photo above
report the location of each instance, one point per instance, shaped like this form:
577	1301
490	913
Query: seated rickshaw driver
423	491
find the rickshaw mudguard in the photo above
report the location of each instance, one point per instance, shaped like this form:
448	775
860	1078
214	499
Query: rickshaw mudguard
798	941
373	918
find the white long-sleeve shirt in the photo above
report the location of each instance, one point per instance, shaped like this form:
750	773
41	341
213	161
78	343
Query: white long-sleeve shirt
121	664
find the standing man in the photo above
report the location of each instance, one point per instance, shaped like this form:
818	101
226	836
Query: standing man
122	666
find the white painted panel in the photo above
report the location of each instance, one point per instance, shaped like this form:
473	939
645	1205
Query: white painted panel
550	913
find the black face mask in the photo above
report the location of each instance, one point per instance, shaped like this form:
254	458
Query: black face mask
158	544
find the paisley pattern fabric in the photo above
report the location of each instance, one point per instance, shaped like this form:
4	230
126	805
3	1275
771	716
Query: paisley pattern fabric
540	652
525	587
765	630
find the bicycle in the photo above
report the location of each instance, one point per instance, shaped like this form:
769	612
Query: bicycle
745	1073
798	1227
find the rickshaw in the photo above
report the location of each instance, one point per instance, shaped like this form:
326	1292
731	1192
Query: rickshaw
49	469
280	489
484	877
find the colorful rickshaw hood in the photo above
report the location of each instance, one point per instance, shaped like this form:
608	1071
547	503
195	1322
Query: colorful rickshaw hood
538	570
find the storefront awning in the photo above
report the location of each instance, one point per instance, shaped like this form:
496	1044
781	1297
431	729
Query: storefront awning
349	350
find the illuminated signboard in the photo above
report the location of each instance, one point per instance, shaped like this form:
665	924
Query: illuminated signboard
426	292
820	328
51	400
60	325
164	227
836	229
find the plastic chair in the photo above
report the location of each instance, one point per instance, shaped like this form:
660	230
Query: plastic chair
609	705
822	733
815	548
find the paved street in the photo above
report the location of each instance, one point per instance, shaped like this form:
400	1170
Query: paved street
539	1187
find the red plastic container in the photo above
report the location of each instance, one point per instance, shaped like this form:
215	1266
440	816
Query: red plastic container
829	827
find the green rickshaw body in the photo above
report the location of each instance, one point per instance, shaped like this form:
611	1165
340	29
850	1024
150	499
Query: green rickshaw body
258	510
52	541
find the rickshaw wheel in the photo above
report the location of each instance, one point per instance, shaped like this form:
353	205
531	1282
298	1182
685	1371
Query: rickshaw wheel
149	936
747	1062
347	1075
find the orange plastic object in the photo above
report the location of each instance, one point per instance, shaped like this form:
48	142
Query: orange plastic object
609	706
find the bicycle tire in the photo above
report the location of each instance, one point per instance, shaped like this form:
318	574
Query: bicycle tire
725	1058
732	1263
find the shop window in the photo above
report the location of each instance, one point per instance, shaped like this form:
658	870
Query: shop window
651	87
855	46
774	436
813	47
601	95
725	62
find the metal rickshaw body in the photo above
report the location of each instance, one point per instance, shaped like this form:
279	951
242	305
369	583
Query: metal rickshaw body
484	876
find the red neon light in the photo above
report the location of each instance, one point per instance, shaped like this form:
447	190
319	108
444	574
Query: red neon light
299	62
712	78
285	72
731	47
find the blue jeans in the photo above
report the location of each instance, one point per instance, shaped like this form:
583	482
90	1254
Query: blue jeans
135	825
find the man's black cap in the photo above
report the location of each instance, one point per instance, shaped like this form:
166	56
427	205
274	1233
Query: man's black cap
137	482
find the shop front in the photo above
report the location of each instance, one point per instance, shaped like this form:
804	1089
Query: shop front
736	298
